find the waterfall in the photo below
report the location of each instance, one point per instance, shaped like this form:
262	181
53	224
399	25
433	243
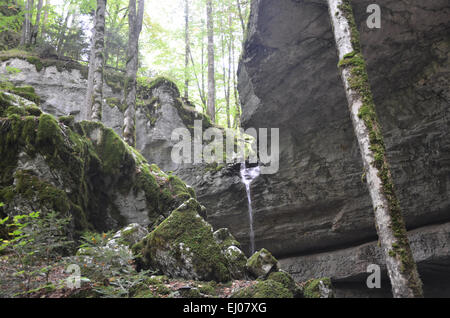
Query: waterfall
248	175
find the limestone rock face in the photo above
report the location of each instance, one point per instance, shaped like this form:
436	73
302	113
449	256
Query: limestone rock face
184	246
84	170
288	78
62	93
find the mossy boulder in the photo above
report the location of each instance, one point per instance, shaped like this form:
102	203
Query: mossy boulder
230	248
287	281
82	169
264	289
183	246
262	263
128	236
318	288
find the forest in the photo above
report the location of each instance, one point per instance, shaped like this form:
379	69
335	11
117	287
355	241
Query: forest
198	47
321	151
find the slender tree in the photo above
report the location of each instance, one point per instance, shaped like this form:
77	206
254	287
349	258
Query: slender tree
35	29
95	98
241	17
90	82
26	29
44	21
187	50
62	33
135	26
389	221
211	108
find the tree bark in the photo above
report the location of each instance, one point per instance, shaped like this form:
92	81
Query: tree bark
62	33
96	98
237	117
44	21
90	84
211	107
187	49
135	26
241	18
26	29
201	91
35	31
389	221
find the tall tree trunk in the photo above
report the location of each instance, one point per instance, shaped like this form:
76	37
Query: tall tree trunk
389	221
95	96
90	83
241	18
201	91
35	31
62	34
211	108
230	40
187	49
135	27
44	21
26	29
237	117
203	66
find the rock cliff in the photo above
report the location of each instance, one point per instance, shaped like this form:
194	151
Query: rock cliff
317	202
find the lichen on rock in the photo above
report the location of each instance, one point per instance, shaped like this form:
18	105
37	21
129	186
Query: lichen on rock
94	168
183	246
262	263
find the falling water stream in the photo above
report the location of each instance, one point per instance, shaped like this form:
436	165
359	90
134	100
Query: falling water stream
248	175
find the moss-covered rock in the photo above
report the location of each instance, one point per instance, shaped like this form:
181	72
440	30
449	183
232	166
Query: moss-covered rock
287	281
83	169
264	289
183	246
318	288
230	248
262	263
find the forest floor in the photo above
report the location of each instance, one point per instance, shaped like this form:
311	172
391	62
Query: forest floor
13	283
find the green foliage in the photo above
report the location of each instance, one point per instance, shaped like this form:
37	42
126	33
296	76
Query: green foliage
264	289
110	267
26	92
36	241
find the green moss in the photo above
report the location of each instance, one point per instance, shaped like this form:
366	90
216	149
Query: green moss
33	111
144	293
359	82
209	288
178	188
284	279
264	289
14	110
184	226
36	62
115	102
26	92
346	8
256	261
41	63
311	289
30	187
5	102
49	133
67	120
